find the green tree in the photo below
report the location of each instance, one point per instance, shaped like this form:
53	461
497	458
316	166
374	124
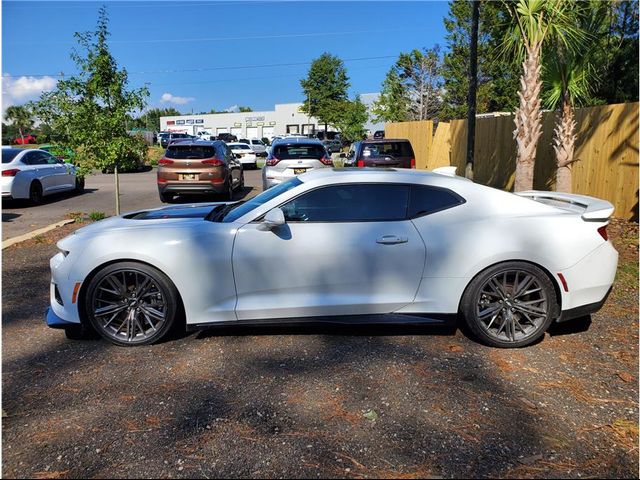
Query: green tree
393	103
21	117
497	77
534	22
150	120
352	120
245	109
91	108
325	89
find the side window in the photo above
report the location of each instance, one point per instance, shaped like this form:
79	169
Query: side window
425	200
350	203
34	158
51	160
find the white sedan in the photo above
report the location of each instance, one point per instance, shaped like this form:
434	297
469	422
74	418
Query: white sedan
341	245
32	174
245	154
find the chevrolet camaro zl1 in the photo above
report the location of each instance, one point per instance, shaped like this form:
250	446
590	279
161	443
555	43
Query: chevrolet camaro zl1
341	245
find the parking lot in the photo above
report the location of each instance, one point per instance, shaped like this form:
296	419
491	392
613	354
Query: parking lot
137	191
315	401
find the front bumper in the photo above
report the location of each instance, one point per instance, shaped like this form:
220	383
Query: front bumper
54	321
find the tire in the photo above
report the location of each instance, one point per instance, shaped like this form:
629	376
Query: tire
79	184
501	313
165	198
241	186
35	193
228	195
132	322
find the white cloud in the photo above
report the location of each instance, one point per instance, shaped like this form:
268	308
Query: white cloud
232	109
17	90
169	98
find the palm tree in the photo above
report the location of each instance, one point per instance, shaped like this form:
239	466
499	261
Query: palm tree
534	21
21	117
568	80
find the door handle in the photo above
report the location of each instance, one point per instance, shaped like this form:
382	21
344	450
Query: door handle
391	239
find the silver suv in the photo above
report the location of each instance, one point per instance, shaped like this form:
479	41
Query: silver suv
292	156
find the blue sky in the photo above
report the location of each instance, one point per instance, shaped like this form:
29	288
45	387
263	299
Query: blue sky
194	55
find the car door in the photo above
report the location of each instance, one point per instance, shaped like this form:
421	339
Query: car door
41	170
344	250
63	175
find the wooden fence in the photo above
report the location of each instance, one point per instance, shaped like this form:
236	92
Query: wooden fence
606	147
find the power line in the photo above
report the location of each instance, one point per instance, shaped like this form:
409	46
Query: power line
207	69
216	39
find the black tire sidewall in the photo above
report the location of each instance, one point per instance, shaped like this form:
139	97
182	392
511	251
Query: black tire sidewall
162	281
35	187
470	298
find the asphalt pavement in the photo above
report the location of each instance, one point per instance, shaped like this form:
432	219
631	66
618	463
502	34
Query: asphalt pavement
137	191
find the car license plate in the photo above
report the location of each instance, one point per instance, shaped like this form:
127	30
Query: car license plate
189	176
299	170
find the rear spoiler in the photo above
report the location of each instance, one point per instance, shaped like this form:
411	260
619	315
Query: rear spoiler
591	209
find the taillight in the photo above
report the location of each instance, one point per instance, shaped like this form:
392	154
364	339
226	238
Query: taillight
413	163
327	161
165	161
360	163
215	162
602	231
272	161
11	172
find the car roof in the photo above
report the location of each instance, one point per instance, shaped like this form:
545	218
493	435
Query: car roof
197	142
386	140
296	140
384	175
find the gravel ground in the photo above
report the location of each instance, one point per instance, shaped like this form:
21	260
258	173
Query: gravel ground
318	401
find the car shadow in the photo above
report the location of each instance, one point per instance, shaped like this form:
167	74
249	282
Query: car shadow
577	325
53	198
9	217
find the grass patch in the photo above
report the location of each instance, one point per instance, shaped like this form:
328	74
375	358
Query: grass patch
97	216
77	217
154	154
39	239
627	273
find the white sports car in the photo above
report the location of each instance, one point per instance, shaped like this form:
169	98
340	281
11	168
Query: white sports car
341	245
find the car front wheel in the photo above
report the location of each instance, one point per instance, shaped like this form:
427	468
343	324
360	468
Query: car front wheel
131	304
510	305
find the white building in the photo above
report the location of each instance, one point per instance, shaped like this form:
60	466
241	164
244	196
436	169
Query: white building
285	118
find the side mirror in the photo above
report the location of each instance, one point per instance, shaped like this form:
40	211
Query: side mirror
274	218
343	155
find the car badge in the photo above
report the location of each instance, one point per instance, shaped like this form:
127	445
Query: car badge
188	163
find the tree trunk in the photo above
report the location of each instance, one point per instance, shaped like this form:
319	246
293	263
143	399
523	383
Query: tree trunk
528	119
117	179
473	85
564	140
21	135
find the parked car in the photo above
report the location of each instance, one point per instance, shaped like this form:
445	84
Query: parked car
198	167
378	134
258	147
33	174
396	153
227	137
244	153
292	156
332	146
166	140
342	246
25	140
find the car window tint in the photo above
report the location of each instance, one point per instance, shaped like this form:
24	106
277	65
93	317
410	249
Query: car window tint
288	152
396	149
34	158
8	154
182	152
349	203
425	200
260	199
51	160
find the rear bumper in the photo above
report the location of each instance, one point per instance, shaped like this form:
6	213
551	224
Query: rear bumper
195	188
583	310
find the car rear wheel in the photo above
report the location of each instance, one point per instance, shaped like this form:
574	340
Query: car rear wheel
35	193
510	305
131	304
166	197
228	195
79	184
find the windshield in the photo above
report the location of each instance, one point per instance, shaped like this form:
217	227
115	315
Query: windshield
239	146
288	152
258	200
8	154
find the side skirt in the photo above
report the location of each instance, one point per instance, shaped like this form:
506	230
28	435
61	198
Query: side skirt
435	319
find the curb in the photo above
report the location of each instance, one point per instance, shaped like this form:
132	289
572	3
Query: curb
35	233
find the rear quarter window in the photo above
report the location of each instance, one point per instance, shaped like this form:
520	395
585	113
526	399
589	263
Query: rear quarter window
424	200
396	149
9	154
